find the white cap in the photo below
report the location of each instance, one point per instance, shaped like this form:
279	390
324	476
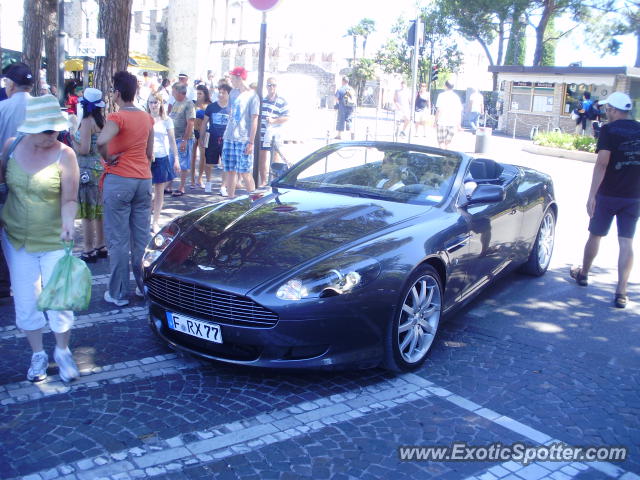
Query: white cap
93	95
618	100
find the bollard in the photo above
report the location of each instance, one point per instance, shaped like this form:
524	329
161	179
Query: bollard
483	134
515	122
534	132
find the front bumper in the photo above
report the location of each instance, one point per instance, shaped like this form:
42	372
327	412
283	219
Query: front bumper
321	342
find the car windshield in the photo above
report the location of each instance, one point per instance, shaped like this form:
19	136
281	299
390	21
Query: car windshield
392	172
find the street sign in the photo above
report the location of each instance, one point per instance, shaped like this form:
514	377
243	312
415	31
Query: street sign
87	47
263	5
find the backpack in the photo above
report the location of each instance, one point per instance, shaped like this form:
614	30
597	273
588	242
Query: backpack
591	111
349	98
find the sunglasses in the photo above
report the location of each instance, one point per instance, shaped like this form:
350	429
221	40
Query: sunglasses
272	84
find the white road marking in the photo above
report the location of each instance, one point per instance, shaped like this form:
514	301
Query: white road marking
119	315
242	436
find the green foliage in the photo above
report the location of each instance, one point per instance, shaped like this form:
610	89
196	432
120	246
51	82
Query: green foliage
585	143
517	45
362	70
439	47
367	27
363	29
566	141
163	48
489	22
575	10
549	47
614	19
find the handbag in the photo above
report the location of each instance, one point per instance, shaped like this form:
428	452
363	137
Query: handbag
4	189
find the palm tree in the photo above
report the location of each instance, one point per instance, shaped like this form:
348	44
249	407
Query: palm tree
354	32
367	27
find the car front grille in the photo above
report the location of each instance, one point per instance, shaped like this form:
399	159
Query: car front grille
208	303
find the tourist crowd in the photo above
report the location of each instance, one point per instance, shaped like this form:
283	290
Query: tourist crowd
74	161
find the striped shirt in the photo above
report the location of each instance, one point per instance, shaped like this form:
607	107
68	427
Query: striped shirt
275	108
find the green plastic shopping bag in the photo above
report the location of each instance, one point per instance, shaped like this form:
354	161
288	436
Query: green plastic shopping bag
69	287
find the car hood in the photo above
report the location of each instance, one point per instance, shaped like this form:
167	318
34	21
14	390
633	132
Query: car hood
241	244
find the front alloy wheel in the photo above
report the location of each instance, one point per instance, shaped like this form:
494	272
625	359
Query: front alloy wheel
540	256
415	325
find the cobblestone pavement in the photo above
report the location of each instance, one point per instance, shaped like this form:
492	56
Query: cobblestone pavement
536	361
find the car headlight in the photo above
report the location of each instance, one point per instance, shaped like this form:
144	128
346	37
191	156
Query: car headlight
332	277
159	243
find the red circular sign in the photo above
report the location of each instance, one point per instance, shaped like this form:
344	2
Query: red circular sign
263	5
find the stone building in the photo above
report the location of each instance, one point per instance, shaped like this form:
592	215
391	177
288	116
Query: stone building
543	97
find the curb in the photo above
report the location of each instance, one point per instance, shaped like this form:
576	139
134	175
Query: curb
559	152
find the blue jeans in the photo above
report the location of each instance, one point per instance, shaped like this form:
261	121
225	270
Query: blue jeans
473	120
345	117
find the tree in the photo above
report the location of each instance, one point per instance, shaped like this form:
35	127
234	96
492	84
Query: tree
549	46
615	20
51	41
517	45
362	71
367	27
354	32
487	21
490	23
549	9
32	29
116	36
439	47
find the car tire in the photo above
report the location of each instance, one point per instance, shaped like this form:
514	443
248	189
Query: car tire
412	331
540	255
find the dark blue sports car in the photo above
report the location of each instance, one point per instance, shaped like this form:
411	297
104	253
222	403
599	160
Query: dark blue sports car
351	259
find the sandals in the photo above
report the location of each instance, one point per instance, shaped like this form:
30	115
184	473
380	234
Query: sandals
89	257
576	274
102	252
620	300
177	193
168	191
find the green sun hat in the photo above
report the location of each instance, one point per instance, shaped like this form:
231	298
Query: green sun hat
42	114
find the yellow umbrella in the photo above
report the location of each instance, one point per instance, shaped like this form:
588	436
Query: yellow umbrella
75	65
145	62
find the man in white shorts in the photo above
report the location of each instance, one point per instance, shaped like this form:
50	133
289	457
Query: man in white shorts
448	115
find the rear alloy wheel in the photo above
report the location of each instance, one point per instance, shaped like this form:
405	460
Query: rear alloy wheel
540	256
415	324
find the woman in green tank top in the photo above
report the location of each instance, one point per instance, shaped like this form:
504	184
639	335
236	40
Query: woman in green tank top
42	178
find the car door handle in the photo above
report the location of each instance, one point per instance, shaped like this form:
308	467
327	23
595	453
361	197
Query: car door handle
457	243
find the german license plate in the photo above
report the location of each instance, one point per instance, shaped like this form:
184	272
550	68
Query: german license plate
196	328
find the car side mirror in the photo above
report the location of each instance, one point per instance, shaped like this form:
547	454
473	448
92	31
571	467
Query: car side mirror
486	193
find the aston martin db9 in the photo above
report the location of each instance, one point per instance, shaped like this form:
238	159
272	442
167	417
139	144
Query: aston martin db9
351	259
